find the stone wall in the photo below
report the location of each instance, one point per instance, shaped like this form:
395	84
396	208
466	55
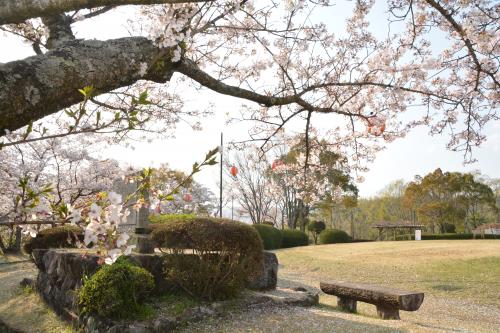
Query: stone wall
61	272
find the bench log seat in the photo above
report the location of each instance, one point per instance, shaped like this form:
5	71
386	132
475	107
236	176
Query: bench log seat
387	300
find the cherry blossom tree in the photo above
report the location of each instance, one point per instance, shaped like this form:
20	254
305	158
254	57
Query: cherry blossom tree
306	173
279	56
436	65
43	178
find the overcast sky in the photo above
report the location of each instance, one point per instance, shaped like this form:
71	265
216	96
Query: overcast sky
418	153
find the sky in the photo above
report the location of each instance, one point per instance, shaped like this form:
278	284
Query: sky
416	154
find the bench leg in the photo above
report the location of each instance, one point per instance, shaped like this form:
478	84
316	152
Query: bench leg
346	304
387	312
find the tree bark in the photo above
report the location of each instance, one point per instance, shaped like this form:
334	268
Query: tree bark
35	87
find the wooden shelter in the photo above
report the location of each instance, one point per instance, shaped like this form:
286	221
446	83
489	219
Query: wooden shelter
385	227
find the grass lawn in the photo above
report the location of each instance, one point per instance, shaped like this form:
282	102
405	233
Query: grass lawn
467	270
460	278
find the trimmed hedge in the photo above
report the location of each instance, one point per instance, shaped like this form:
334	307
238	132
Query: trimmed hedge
116	290
449	236
224	254
271	237
293	238
332	236
166	218
63	236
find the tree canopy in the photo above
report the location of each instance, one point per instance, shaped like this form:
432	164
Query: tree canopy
277	55
448	197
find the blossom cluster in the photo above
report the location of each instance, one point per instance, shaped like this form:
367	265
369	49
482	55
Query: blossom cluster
101	223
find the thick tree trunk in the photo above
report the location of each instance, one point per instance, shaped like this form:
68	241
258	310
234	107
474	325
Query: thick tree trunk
35	87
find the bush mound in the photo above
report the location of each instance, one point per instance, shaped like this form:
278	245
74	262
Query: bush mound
331	236
209	258
271	237
292	238
116	291
63	236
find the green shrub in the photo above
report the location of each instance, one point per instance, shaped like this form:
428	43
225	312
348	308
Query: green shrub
316	227
292	238
62	236
331	236
209	258
271	237
116	290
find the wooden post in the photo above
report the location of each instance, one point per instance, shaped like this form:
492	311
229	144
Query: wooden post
388	312
347	304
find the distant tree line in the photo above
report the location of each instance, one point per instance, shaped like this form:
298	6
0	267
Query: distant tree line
442	201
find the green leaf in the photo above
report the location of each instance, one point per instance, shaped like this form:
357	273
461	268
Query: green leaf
70	113
86	91
28	130
143	98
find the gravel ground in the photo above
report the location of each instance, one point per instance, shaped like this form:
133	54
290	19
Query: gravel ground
435	315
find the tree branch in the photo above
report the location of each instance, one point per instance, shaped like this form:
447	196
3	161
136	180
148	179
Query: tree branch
19	11
191	70
59	30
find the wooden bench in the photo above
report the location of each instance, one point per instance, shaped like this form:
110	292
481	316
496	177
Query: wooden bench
388	301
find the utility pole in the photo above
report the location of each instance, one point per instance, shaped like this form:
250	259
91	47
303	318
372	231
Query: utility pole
221	162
